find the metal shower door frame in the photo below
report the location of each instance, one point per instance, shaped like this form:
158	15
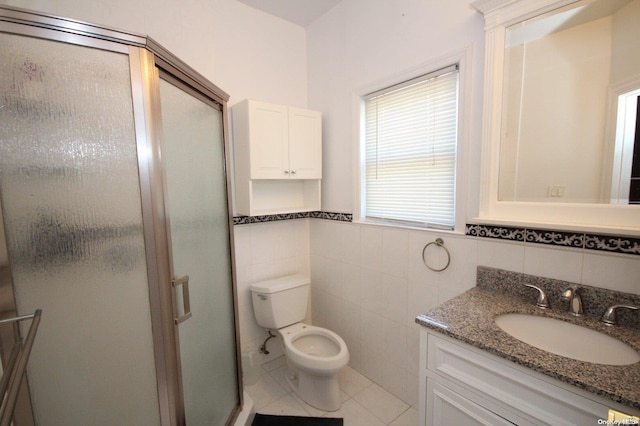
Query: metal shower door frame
152	68
147	59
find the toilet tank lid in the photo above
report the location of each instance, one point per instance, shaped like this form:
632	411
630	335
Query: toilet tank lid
280	284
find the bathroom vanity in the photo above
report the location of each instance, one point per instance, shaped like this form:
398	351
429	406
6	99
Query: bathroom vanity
472	372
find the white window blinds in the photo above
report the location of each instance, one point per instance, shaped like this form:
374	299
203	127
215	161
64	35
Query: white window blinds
410	144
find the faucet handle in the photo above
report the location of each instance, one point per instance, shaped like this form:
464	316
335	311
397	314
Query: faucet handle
543	301
610	316
570	291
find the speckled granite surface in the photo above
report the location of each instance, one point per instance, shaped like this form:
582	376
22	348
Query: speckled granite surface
470	318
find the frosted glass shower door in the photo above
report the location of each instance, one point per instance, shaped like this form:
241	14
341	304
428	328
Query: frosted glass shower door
193	156
72	212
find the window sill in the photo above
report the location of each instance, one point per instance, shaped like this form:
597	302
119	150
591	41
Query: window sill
407	226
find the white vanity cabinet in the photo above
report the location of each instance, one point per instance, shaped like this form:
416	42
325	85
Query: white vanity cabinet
461	384
278	158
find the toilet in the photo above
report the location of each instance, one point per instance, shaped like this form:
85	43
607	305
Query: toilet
314	355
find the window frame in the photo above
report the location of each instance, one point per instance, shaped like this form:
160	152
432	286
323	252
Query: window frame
460	58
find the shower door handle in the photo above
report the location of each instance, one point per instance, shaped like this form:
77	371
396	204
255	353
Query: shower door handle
186	303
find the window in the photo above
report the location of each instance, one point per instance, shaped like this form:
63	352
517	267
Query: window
411	132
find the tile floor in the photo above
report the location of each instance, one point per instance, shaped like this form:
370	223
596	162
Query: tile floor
364	403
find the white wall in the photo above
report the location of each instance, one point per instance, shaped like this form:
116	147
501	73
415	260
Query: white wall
626	43
361	42
245	52
265	251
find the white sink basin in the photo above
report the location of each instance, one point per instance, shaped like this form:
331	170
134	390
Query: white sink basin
567	339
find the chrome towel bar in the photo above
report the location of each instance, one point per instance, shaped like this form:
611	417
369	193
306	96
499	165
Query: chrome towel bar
15	368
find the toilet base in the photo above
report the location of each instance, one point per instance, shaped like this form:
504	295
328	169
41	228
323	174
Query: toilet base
321	392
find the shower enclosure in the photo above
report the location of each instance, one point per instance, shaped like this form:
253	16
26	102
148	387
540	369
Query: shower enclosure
113	193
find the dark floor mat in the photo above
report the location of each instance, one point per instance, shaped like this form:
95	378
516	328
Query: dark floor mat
269	420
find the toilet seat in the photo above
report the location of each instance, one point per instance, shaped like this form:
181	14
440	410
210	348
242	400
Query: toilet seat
327	355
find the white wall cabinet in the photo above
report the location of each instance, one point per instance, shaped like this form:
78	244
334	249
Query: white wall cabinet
278	158
461	384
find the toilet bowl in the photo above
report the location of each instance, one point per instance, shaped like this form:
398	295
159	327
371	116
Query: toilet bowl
315	349
314	354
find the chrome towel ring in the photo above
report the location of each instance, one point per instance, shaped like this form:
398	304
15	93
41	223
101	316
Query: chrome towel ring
440	243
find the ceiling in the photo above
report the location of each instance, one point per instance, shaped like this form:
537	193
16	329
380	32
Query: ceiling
300	12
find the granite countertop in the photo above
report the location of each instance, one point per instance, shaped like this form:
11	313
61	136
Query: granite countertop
470	319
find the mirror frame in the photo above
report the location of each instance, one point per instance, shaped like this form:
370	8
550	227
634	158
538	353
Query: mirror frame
620	219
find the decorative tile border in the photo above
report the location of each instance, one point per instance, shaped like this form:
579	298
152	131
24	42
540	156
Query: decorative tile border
499	232
612	243
554	238
607	243
342	217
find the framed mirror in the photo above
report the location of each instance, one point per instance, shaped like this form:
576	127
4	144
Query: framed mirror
561	142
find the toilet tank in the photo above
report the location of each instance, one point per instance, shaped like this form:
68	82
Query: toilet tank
281	301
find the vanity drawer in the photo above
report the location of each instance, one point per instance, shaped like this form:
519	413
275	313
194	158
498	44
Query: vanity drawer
448	407
510	387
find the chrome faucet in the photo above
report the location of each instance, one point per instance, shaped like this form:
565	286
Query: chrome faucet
572	294
610	316
542	302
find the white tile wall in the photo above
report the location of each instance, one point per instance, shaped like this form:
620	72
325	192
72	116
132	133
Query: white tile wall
384	282
561	264
620	273
265	251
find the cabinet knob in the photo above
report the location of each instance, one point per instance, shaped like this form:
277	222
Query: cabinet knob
293	172
286	172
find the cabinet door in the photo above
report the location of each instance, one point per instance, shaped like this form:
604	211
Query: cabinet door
305	144
445	407
268	140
